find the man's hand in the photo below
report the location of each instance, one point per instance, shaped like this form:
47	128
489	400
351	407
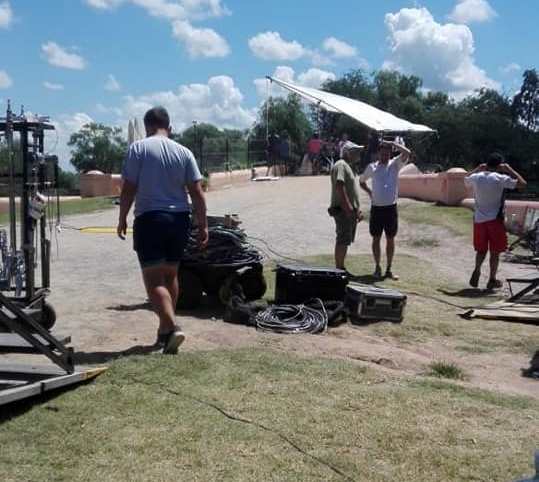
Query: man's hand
505	168
360	216
203	238
122	228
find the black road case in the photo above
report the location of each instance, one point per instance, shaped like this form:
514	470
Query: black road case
369	303
297	284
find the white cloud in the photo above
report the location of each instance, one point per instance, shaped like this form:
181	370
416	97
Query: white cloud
67	124
5	80
200	42
271	46
311	78
61	57
112	85
52	86
338	48
470	11
104	4
219	102
6	15
510	68
441	54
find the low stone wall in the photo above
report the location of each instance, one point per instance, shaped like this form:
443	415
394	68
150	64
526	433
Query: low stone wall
97	185
515	213
445	187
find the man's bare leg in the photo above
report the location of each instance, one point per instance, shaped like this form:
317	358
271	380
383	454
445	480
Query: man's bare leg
479	258
494	262
390	253
376	252
340	255
162	291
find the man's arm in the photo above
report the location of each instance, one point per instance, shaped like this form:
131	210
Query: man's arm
344	199
199	205
507	169
404	152
127	196
367	189
480	168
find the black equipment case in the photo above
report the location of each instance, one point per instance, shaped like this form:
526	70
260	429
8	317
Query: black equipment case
369	303
296	284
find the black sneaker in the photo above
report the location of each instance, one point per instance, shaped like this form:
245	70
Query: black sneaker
377	273
494	284
170	342
389	275
474	280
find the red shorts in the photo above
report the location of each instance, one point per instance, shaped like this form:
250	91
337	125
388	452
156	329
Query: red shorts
490	236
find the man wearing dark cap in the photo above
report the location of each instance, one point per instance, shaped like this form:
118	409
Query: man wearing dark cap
157	175
489	181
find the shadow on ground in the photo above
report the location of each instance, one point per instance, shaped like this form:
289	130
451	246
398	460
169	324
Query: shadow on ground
94	358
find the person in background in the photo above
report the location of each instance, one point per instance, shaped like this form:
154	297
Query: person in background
313	151
489	182
157	174
384	194
344	206
342	142
272	150
284	152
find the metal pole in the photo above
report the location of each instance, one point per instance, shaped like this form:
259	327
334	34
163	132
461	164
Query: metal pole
27	227
11	162
226	154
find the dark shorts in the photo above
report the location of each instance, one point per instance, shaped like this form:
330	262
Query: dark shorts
384	219
160	237
345	228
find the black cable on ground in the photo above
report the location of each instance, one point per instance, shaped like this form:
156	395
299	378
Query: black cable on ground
304	318
259	425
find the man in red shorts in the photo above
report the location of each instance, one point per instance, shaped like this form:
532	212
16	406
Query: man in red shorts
489	182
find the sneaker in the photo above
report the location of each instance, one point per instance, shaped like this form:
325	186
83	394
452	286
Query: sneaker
170	342
390	275
494	284
378	273
474	280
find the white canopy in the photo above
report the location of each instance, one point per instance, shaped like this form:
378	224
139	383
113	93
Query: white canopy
365	114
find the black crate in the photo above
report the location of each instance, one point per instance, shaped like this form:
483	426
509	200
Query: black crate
369	303
297	284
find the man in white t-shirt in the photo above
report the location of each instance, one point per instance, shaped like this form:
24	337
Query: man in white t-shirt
489	182
384	193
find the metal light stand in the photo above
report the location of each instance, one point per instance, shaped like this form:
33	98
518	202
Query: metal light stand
24	312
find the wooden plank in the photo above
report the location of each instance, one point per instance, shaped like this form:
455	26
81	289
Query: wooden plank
38	388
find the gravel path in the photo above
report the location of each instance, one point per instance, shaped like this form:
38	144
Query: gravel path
100	300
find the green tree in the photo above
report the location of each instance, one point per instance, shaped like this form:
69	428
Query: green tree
526	102
97	146
284	115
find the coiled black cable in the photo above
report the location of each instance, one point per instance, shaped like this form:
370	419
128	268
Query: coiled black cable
226	247
293	318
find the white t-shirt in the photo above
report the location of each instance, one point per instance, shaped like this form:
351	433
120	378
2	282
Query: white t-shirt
385	181
488	189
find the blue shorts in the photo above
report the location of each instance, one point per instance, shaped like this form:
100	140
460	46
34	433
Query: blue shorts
160	237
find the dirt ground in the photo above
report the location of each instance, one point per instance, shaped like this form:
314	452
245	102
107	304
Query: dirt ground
100	300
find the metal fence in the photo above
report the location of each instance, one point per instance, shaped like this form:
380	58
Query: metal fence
223	154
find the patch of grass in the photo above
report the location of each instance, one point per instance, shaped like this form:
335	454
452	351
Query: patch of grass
424	242
234	415
74	206
457	220
442	369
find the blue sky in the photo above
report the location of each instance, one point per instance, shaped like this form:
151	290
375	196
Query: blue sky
108	60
